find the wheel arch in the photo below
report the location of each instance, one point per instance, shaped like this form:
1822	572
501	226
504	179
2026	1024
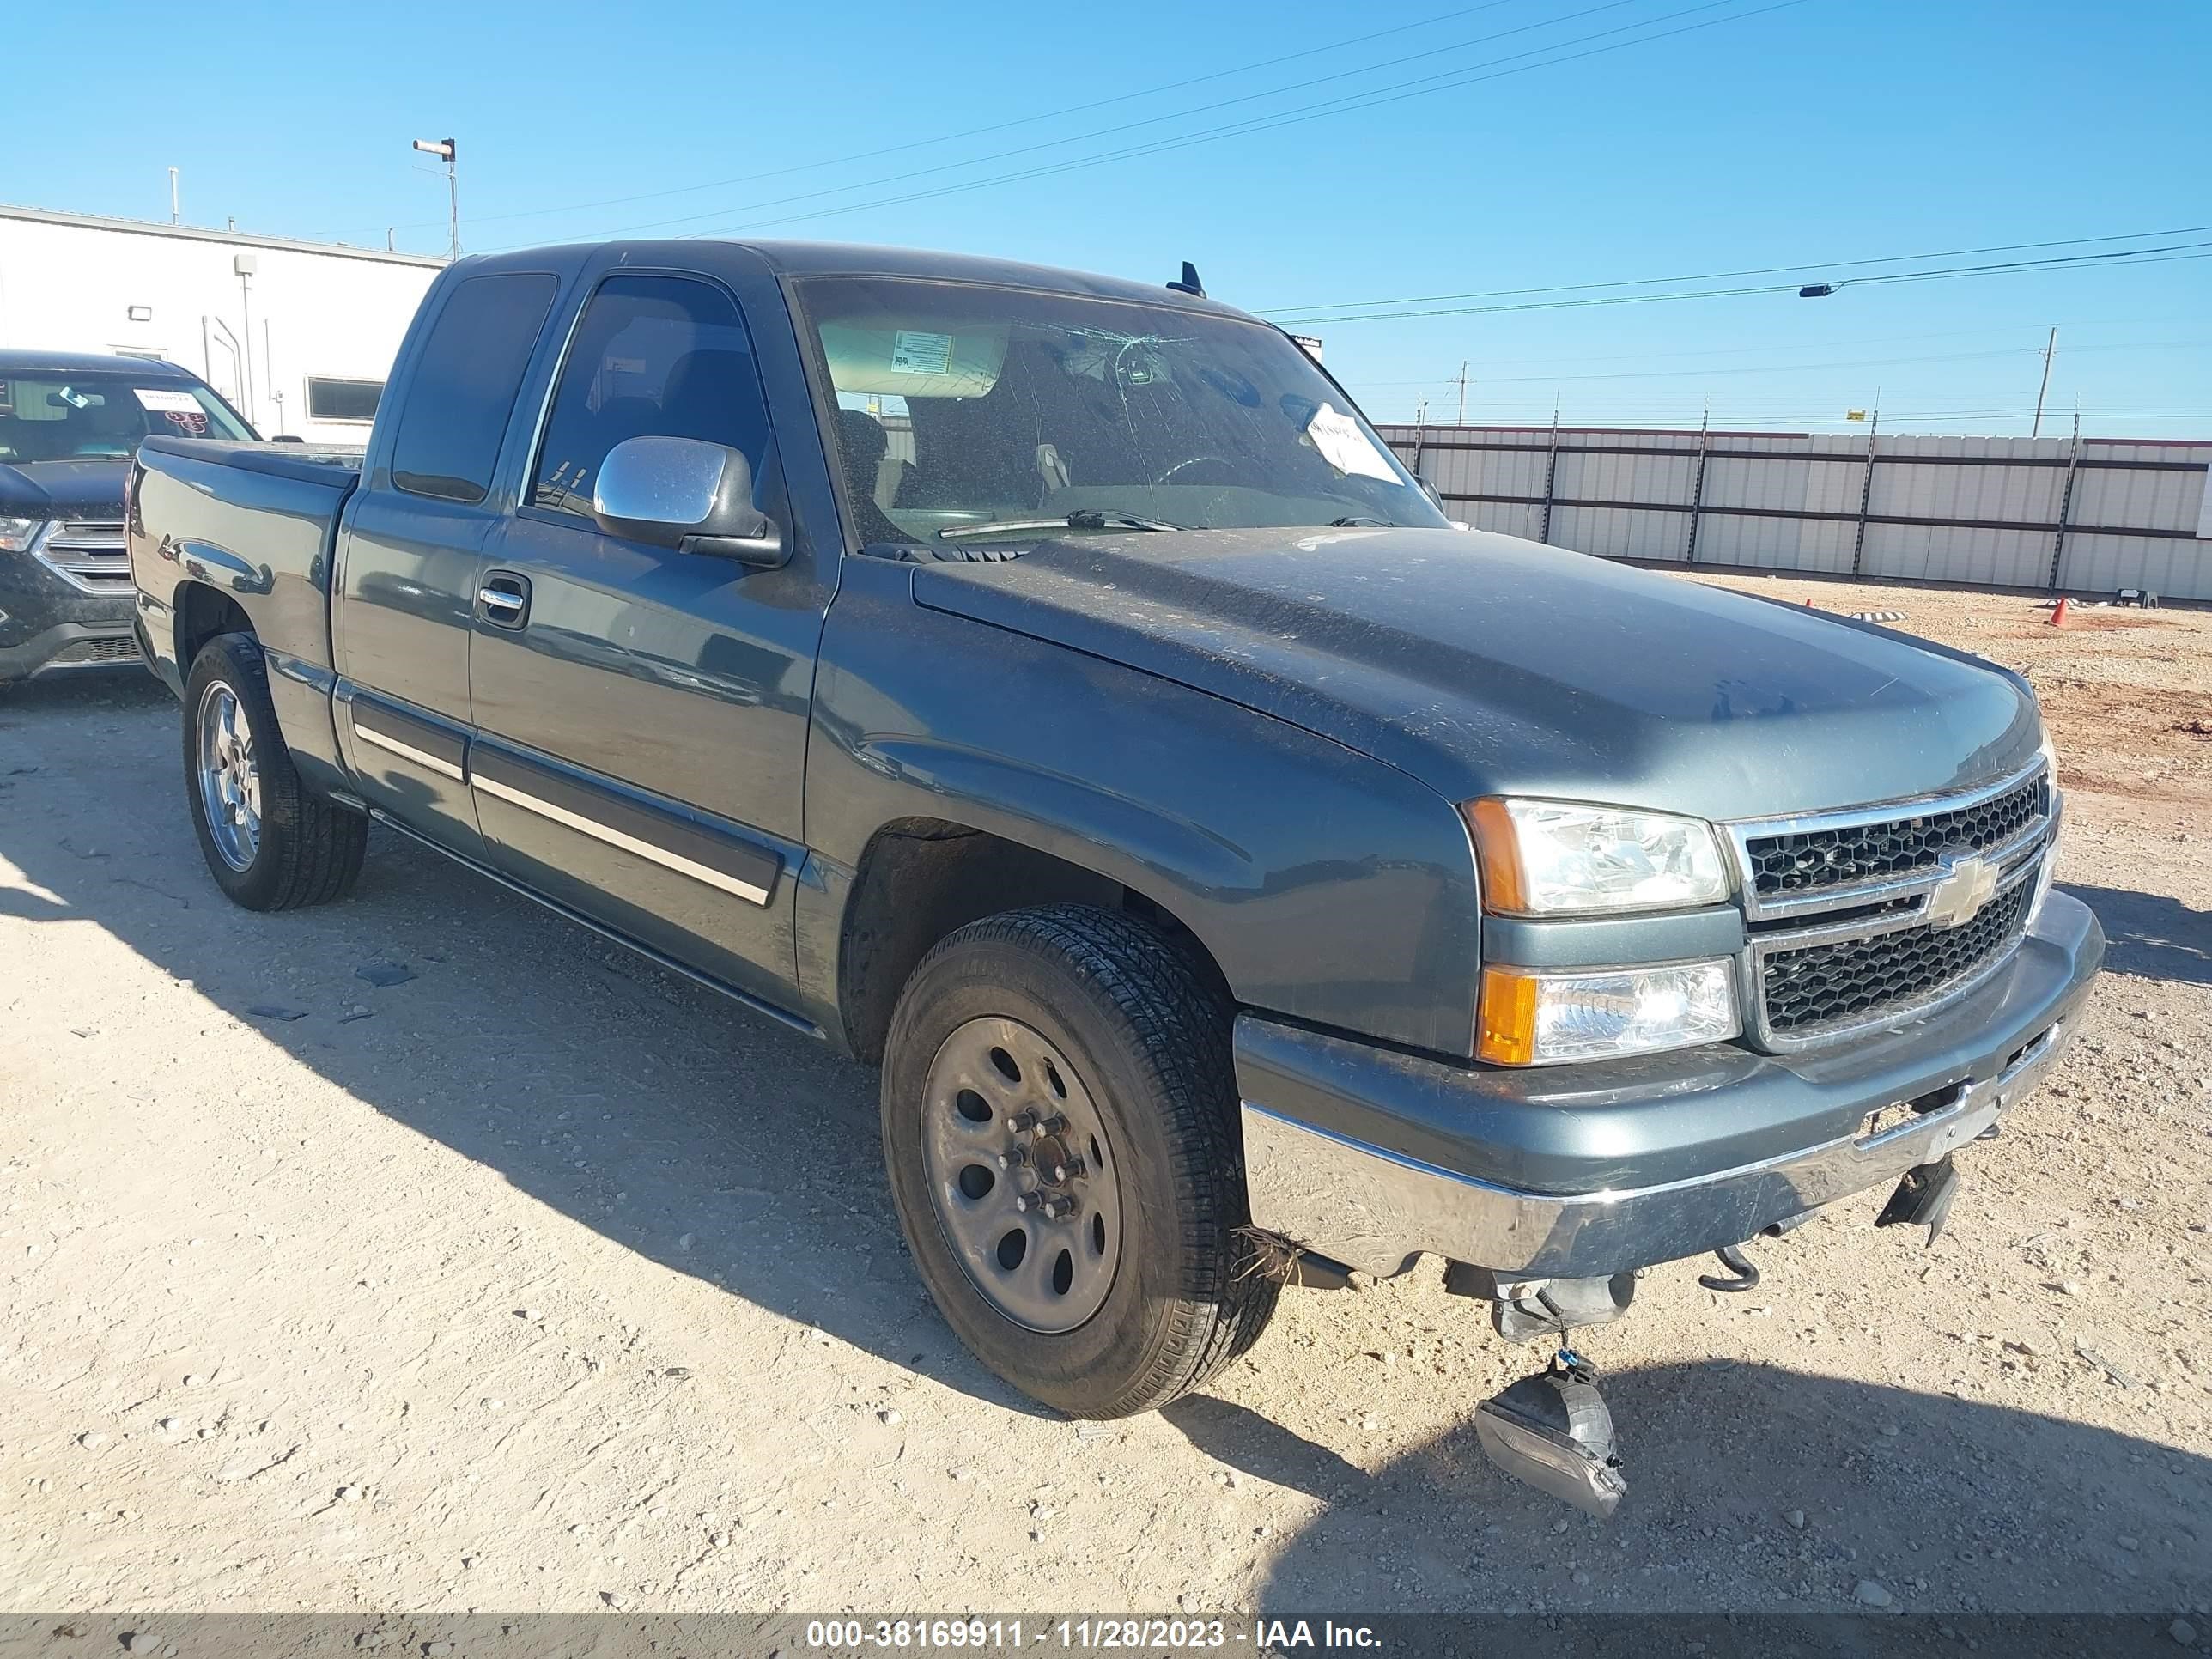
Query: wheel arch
921	878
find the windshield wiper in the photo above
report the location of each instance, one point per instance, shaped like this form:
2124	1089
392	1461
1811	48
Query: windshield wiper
1360	521
1080	520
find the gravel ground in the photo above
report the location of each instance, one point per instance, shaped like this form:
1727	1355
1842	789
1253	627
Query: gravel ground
540	1280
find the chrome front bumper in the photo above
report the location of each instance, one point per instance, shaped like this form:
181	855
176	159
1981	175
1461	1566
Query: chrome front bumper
1375	1208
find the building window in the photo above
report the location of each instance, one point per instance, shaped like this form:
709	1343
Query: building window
343	400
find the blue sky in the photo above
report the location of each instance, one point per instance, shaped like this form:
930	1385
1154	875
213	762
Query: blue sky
1756	137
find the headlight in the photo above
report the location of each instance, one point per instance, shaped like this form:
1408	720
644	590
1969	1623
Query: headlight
2048	872
16	534
1530	1018
1552	858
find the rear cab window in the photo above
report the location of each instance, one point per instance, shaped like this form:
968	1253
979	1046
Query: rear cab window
457	405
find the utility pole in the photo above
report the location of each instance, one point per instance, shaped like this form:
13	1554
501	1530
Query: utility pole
1462	392
448	152
172	196
2049	350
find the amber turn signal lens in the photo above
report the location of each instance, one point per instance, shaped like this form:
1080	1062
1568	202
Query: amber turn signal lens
1507	1025
1497	850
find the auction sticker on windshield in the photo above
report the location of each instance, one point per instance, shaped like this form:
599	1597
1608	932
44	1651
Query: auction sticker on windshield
165	402
914	352
1346	447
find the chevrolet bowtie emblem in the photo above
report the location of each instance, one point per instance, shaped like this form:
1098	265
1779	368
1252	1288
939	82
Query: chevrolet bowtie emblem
1968	884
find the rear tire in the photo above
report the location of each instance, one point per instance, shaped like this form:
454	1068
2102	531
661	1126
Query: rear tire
1095	1022
269	843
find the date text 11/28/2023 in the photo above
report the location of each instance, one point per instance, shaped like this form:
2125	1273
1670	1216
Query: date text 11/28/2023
1013	1635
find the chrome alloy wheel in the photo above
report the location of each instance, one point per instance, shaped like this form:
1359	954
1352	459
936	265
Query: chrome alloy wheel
1020	1172
230	783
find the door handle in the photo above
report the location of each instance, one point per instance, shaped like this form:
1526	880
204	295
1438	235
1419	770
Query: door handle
504	599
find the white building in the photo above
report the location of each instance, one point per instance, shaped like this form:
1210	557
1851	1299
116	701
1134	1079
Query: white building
299	336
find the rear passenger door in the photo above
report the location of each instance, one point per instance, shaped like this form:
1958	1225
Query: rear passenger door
643	712
411	551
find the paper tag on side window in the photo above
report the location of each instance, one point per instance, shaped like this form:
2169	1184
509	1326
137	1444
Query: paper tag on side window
1346	447
915	352
166	403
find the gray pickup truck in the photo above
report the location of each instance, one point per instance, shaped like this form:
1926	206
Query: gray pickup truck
1049	687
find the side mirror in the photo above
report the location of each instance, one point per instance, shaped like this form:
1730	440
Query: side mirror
689	495
1436	497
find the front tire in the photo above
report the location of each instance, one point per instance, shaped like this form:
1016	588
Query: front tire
1060	1129
269	843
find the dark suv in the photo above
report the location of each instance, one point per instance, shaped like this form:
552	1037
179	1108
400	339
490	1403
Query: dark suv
69	422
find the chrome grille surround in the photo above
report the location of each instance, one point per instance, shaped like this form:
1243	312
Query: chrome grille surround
1792	921
89	554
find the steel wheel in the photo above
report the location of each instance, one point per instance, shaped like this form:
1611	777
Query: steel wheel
1021	1174
230	782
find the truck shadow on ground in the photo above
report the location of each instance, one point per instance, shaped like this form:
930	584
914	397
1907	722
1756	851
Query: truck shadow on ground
665	1117
2151	935
1988	1506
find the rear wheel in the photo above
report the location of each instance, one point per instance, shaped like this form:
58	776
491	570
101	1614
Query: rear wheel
269	843
1059	1118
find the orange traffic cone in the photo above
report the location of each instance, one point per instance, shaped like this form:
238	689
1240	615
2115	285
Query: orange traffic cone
2058	611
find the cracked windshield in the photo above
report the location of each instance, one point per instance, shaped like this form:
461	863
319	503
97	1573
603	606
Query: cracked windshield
968	413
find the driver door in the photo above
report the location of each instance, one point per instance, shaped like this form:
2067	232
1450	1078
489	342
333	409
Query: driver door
643	712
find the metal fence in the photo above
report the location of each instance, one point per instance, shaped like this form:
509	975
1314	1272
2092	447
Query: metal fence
2089	516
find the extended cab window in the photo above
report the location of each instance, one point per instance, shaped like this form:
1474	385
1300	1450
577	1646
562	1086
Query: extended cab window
457	405
655	356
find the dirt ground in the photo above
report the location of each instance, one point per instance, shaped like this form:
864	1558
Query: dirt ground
541	1281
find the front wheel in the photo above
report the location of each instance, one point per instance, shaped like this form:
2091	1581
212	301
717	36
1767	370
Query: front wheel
269	843
1060	1127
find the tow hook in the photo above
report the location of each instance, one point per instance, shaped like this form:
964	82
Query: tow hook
1923	1198
1553	1431
1733	1258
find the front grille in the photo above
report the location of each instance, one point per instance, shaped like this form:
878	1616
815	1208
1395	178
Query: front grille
1893	848
89	553
1834	984
100	651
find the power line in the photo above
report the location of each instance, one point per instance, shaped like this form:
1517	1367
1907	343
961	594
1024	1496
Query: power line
1351	101
1450	80
1003	126
1802	266
2166	255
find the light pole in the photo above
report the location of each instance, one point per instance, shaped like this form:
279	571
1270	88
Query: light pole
446	151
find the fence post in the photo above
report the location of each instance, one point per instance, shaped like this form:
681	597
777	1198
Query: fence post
2065	505
1697	489
1866	496
1550	472
1420	442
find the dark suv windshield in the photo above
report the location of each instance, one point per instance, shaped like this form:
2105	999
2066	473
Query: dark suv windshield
961	407
52	415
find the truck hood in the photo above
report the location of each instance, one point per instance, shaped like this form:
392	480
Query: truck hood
1483	664
62	489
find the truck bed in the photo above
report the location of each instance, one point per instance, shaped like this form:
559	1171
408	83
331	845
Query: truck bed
326	465
257	522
